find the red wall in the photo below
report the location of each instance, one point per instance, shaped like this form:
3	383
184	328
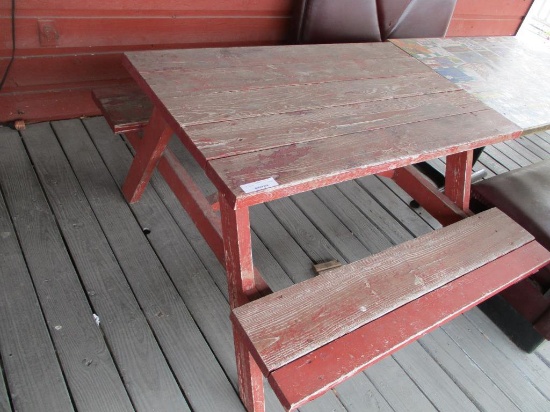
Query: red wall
488	17
67	47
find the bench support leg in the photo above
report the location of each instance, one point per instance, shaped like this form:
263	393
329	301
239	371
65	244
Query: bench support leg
242	288
156	137
251	380
458	178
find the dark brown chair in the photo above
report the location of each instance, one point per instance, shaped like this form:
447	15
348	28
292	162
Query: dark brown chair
524	195
339	21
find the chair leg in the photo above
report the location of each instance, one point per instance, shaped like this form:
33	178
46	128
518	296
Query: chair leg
156	137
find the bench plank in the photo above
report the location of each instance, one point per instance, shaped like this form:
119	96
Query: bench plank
126	108
331	364
344	299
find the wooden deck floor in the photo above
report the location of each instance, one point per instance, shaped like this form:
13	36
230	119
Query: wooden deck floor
110	307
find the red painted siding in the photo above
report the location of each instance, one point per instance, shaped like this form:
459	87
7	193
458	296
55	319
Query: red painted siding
488	17
65	48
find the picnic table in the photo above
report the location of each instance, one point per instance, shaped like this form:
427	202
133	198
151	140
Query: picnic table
269	122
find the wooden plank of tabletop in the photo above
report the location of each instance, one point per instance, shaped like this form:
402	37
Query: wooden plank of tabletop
276	74
198	59
306	166
214	106
222	139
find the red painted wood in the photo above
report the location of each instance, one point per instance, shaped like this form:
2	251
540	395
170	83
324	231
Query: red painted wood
79	35
492	7
458	178
296	169
246	57
293	322
49	73
305	97
126	108
465	27
314	374
433	129
223	139
238	253
155	138
194	202
251	380
87	33
102	8
191	198
44	106
428	195
488	17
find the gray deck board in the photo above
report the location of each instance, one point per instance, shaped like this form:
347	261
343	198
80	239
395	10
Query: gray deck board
503	373
390	196
129	278
359	395
33	373
192	362
91	374
527	144
5	404
518	148
442	391
532	367
317	247
141	360
479	388
399	390
541	139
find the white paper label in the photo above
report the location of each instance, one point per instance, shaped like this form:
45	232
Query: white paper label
259	185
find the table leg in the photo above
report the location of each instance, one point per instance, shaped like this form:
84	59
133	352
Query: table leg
242	285
458	178
156	137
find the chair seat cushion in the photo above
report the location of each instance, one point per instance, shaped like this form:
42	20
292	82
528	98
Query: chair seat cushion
524	195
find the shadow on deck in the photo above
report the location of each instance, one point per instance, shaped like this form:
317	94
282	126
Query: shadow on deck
110	307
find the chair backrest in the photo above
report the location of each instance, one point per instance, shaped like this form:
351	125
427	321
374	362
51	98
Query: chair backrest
339	21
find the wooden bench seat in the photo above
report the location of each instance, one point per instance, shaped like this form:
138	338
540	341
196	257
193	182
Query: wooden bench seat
314	335
126	108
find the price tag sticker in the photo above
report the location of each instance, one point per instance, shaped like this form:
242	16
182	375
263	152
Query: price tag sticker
259	185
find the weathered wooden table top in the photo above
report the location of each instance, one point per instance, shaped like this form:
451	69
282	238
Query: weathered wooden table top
509	74
308	116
